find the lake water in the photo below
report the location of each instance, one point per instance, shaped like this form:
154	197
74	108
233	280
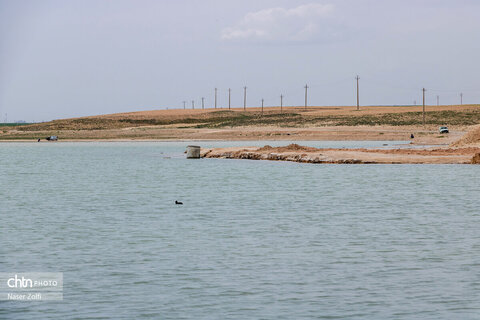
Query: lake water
253	240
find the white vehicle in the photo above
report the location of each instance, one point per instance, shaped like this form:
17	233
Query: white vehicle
443	130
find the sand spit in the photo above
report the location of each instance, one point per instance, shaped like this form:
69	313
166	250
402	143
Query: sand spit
297	153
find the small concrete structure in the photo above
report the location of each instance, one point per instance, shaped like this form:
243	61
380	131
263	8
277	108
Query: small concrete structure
193	152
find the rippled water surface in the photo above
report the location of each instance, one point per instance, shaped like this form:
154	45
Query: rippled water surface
253	240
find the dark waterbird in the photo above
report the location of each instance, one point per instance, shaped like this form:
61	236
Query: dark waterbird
178	202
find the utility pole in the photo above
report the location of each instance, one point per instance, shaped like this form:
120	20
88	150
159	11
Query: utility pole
438	101
203	103
423	90
461	98
245	98
306	94
215	98
281	103
358	95
193	104
229	96
184	104
262	106
414	102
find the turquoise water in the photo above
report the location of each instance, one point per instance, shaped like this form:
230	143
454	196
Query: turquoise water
253	240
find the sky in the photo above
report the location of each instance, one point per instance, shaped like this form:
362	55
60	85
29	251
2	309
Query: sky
62	59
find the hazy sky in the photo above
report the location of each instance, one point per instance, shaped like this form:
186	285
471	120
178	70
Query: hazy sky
73	58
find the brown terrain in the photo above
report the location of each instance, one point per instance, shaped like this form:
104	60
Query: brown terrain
296	153
291	123
461	145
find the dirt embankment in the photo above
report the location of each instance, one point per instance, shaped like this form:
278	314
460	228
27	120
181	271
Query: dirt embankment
471	138
297	153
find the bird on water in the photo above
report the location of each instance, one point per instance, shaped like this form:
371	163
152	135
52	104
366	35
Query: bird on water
178	202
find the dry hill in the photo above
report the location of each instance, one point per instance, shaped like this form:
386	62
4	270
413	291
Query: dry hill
289	123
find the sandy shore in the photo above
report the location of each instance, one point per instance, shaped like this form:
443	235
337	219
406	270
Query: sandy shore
298	153
290	124
428	135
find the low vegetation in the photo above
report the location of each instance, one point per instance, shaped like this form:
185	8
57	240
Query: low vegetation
14	124
89	127
221	119
469	117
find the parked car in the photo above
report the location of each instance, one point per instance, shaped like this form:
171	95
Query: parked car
52	138
443	130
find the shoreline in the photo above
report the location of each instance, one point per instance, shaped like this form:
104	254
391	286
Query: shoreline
422	136
297	153
326	123
404	153
317	124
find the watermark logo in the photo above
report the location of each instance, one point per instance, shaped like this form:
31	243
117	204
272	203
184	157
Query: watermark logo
31	286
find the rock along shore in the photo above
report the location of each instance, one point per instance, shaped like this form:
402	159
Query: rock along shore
297	153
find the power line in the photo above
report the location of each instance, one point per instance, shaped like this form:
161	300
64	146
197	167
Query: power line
306	94
453	90
423	90
358	95
329	83
281	103
245	98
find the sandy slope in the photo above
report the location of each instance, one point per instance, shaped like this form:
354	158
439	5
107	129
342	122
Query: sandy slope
471	138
